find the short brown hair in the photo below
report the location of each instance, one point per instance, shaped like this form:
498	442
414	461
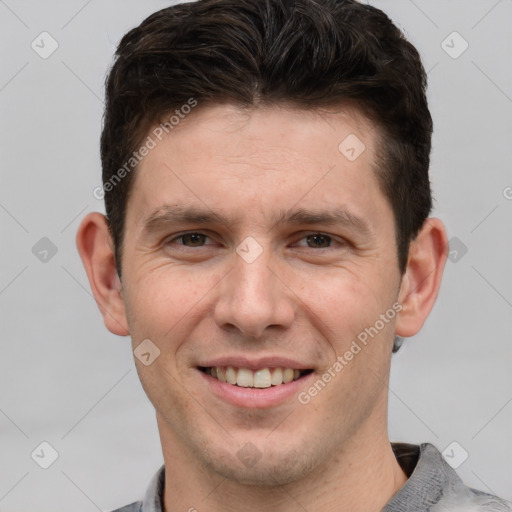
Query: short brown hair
309	53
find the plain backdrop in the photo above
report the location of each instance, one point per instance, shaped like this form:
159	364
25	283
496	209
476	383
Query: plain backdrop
65	380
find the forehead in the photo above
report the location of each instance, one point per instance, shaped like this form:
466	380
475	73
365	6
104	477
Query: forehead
229	131
266	159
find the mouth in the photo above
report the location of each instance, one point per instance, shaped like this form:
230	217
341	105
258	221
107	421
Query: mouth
247	378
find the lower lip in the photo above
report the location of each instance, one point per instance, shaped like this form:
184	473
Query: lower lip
255	397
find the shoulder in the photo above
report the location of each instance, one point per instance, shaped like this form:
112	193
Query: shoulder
434	486
133	507
455	496
483	502
152	501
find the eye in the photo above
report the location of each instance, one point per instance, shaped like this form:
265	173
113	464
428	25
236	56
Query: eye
192	239
318	241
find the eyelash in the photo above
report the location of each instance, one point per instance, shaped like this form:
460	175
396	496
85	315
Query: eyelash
312	234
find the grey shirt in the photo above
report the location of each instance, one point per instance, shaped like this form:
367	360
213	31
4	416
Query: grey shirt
432	486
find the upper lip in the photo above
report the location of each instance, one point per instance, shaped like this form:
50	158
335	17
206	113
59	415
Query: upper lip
256	363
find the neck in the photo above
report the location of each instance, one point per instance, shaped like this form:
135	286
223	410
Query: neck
362	476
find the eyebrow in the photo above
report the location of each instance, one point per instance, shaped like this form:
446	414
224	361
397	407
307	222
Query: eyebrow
176	214
338	216
167	215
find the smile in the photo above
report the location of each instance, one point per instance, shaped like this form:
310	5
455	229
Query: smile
247	378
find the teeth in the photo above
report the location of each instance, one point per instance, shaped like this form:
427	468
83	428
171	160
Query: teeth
221	374
230	374
287	375
245	378
262	378
277	377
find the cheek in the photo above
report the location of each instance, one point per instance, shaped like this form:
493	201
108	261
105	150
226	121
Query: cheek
344	303
165	300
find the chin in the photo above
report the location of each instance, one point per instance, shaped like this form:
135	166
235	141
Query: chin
267	468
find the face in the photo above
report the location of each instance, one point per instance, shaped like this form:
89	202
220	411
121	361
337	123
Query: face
257	252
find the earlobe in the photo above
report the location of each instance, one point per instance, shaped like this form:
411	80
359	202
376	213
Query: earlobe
95	247
422	279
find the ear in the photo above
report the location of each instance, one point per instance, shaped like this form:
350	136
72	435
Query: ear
95	246
422	279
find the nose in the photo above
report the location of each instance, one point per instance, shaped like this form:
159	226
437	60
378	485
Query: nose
253	297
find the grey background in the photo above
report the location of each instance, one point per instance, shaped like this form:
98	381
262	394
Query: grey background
66	380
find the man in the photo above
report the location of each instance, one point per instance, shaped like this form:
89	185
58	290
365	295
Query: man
266	243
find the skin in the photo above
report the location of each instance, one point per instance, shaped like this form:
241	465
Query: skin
197	299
